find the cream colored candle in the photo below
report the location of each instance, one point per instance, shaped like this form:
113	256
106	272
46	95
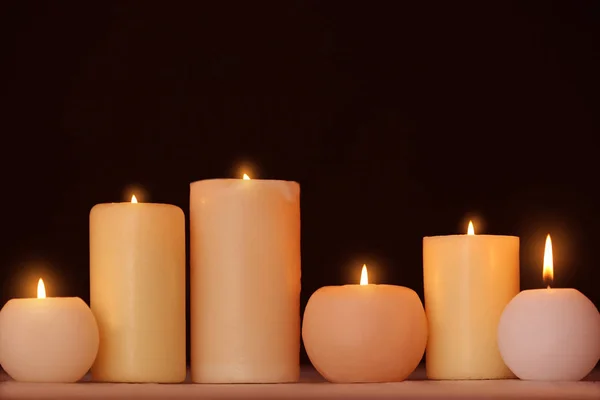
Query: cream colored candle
48	339
550	334
137	289
364	333
469	279
245	281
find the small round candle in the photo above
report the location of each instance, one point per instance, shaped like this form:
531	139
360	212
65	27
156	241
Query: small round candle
364	333
550	334
52	339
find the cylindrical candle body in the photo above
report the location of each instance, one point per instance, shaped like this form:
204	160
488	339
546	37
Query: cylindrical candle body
137	290
469	279
245	281
364	333
550	335
53	339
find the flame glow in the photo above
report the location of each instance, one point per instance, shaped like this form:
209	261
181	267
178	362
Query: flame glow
364	276
470	229
41	291
133	199
548	270
246	177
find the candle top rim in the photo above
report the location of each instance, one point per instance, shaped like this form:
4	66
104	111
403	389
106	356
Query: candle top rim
383	285
372	284
546	290
115	203
471	236
382	289
241	180
46	298
53	301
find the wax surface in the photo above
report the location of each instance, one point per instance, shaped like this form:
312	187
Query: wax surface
550	334
53	339
245	281
364	333
137	290
469	279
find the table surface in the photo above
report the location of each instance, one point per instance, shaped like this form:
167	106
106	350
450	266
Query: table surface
311	386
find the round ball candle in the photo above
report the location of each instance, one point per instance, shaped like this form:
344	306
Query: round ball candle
468	279
137	291
364	333
245	281
52	339
550	334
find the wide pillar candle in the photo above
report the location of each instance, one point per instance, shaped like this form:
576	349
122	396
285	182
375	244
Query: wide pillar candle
245	281
137	292
469	279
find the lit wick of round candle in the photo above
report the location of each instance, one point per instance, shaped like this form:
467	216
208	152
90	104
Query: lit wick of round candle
470	229
41	290
548	269
364	275
246	177
134	199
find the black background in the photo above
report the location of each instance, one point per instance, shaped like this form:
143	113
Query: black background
398	120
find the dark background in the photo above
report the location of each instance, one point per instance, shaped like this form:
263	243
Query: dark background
399	121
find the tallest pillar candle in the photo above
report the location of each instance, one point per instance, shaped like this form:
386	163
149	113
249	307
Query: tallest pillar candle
469	279
245	281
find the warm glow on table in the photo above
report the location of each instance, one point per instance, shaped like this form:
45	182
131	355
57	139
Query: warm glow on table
311	387
364	332
468	281
47	339
550	334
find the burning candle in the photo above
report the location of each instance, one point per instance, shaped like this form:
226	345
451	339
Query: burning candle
137	291
245	281
550	334
469	279
47	339
365	332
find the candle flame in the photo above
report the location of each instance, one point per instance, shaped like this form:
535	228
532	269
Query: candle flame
246	177
133	199
548	270
470	229
41	291
364	276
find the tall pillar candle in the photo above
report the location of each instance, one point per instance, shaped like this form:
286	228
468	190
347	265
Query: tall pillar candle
137	292
245	281
469	279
